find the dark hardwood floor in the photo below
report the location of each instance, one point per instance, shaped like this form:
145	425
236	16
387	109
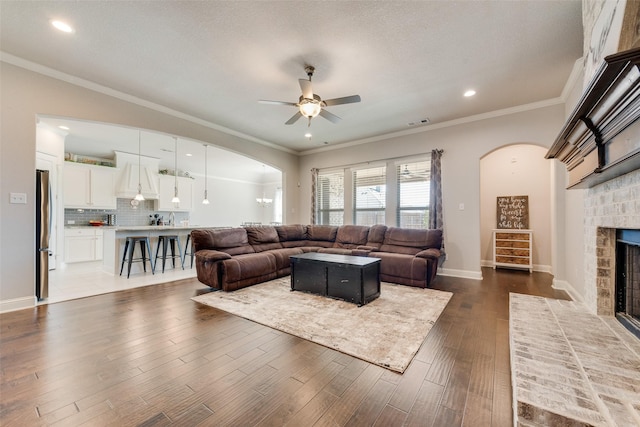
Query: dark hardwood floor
151	356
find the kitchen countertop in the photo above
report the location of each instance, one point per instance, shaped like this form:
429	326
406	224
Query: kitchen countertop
139	227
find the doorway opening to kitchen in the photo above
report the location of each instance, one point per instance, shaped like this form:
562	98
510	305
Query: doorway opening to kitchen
100	169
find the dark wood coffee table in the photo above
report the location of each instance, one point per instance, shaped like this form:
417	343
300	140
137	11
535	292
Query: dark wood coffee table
350	278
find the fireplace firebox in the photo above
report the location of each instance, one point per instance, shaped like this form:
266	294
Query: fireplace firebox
627	296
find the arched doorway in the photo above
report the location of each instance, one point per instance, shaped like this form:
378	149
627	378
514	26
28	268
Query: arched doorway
514	170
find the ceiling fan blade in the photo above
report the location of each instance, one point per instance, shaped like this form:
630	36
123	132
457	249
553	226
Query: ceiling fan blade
294	118
331	117
305	86
264	101
344	100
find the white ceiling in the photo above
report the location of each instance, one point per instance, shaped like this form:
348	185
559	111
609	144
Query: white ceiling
214	60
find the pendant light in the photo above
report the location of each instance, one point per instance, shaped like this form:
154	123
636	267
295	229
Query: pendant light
205	201
139	197
175	199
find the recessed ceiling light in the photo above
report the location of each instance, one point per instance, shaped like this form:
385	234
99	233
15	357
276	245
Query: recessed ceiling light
307	135
63	127
188	154
62	26
469	93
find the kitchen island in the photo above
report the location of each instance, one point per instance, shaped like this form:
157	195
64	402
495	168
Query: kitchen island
114	238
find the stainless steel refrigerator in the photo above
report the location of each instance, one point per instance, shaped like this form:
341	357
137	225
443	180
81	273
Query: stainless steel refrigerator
43	232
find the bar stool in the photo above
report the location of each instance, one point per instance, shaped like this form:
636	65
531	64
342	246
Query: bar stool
188	250
129	249
165	239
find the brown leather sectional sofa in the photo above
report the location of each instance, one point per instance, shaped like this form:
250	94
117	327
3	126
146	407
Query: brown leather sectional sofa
235	258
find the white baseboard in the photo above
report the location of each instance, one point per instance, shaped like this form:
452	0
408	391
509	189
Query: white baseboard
542	268
536	267
464	274
17	304
563	285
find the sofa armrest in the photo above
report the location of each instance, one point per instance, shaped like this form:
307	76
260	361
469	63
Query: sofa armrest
208	255
430	253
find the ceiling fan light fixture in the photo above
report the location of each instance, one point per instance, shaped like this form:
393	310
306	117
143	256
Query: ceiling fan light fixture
310	107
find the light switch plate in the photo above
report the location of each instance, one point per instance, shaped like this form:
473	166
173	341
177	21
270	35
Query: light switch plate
18	198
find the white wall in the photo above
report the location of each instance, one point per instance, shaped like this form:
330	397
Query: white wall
232	202
568	214
517	170
464	145
24	95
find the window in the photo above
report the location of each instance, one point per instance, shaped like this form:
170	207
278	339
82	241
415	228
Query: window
369	196
413	194
330	198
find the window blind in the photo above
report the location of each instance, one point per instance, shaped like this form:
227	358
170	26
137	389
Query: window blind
330	198
413	194
369	196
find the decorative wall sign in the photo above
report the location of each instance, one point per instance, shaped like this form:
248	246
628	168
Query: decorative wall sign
512	212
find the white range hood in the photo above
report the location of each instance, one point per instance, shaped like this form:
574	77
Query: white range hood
127	184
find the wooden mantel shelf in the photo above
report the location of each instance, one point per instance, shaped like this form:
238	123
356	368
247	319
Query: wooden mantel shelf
601	138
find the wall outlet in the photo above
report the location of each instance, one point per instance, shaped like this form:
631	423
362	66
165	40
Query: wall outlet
18	198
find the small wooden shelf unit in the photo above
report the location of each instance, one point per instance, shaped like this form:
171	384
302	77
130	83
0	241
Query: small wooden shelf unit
512	248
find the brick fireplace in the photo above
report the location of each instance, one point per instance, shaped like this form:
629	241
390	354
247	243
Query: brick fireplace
612	205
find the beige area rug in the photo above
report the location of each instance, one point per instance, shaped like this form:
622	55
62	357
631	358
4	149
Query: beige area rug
387	332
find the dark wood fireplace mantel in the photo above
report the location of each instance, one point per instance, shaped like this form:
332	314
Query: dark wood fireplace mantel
601	138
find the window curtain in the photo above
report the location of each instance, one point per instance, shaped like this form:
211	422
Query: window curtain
435	193
314	183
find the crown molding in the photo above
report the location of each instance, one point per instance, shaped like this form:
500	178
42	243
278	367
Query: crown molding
435	126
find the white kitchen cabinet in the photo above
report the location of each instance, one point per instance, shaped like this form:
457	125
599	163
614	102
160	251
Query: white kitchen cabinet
82	244
166	193
87	186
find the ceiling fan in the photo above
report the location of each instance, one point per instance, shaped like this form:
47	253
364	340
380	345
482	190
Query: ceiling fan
311	105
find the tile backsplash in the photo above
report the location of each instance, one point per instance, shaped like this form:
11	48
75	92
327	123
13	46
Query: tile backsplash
125	214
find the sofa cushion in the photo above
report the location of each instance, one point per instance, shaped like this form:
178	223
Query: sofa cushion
376	235
282	258
410	241
202	239
248	265
351	236
246	270
263	238
233	241
289	233
394	265
319	233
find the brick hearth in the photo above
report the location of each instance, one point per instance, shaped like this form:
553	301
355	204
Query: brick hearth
571	367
